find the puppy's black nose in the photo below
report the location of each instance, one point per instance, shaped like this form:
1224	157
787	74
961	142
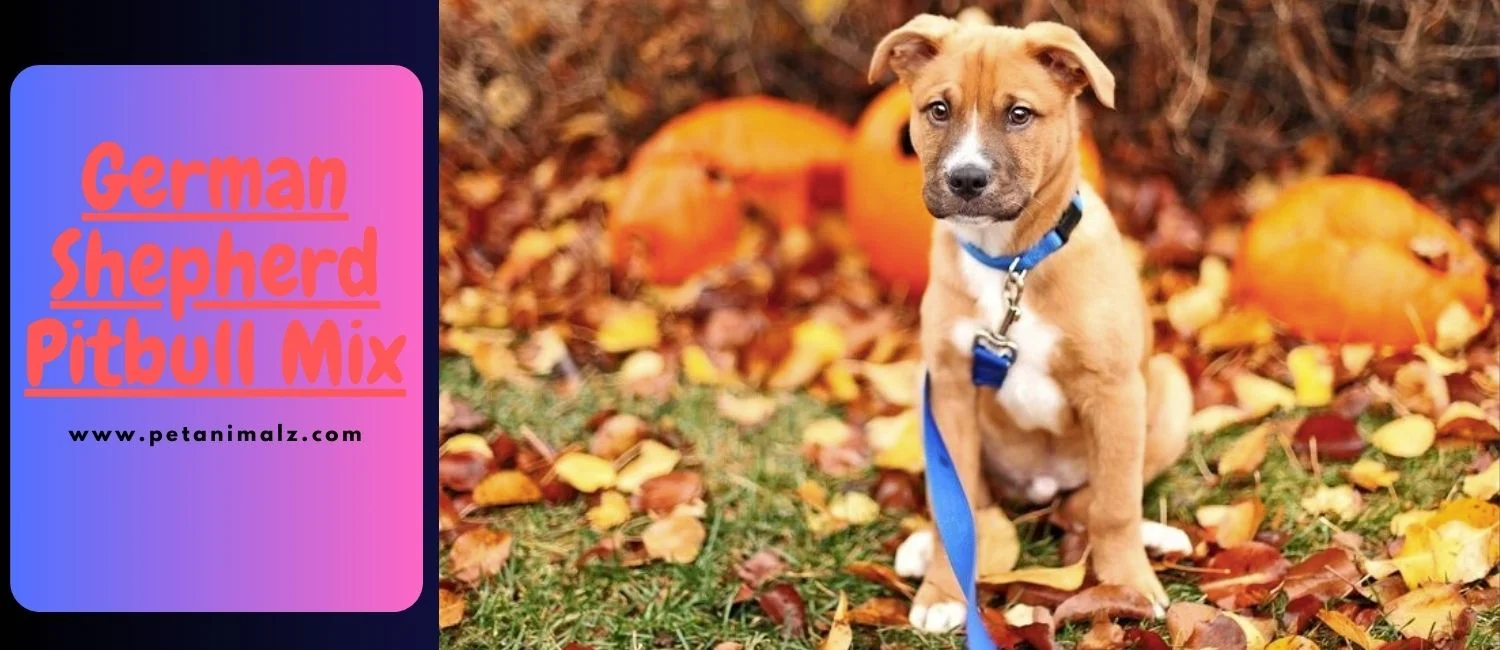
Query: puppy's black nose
968	181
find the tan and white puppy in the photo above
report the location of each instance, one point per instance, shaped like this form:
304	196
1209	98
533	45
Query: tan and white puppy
1085	410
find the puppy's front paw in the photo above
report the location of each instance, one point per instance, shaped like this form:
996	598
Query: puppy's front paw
1134	571
1161	539
915	554
938	617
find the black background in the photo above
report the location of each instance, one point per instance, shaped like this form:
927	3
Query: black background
400	32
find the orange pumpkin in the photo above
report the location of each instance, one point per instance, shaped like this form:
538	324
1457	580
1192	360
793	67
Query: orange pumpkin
1349	258
676	219
783	156
883	192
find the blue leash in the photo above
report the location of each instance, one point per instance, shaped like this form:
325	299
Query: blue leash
994	354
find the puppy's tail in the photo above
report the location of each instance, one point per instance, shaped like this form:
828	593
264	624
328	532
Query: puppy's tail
1169	404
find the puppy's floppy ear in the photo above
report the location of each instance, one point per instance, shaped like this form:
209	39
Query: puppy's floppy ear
1071	60
910	46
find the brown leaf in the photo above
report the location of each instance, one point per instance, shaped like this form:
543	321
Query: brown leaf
450	609
506	487
1244	576
448	516
1102	635
616	435
784	606
1234	524
505	450
1337	437
663	493
747	411
1113	601
676	539
462	472
897	491
1220	633
1183	618
881	612
479	554
1300	613
464	418
840	636
880	574
1345	627
1327	574
762	567
1429	612
1143	639
1246	453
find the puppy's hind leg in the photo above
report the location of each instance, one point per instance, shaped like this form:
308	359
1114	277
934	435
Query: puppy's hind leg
1169	407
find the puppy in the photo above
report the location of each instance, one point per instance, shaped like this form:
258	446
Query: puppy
1084	411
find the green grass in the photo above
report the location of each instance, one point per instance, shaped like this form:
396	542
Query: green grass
541	601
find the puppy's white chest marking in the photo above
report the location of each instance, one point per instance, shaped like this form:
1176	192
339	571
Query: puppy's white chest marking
1030	395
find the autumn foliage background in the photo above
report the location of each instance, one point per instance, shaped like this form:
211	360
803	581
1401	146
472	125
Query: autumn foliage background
1310	187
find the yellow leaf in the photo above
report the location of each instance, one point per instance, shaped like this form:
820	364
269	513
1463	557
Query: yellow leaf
1213	275
1463	411
1234	524
1347	628
896	382
1294	642
1341	502
1404	521
1068	578
505	488
1214	418
1426	613
1237	329
825	432
854	507
1372	474
1259	396
840	635
997	536
676	539
627	328
1245	454
815	344
1255	639
1407	437
585	472
655	459
450	609
840	379
904	451
471	443
700	369
1456	326
813	494
1312	374
640	368
1355	356
1485	484
1458	544
1192	309
747	411
612	511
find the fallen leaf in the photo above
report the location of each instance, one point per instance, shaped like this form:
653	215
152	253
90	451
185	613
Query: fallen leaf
1407	437
897	441
1456	325
1340	501
643	373
1485	484
1214	418
1066	578
1300	613
450	609
1337	437
815	344
585	472
1312	374
1355	356
813	494
1244	576
1237	329
997	536
1371	474
1246	453
1468	421
1192	309
1294	642
784	606
664	493
839	376
462	417
612	511
747	411
479	554
762	567
676	539
1342	625
896	383
1113	601
653	460
855	508
1326	575
1138	638
896	491
825	432
1219	633
627	328
1102	635
1255	630
505	488
462	472
467	443
700	369
1183	619
1427	613
616	435
1234	524
1419	387
881	612
1259	396
840	636
1458	544
880	574
448	516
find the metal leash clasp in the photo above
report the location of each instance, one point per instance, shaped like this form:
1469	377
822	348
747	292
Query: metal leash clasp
997	339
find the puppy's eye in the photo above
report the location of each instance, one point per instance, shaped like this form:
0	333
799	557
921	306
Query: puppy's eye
938	111
1019	115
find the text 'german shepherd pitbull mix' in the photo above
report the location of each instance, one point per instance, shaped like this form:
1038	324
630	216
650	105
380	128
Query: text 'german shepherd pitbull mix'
1085	410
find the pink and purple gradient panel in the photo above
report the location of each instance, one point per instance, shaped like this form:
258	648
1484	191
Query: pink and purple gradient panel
218	526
